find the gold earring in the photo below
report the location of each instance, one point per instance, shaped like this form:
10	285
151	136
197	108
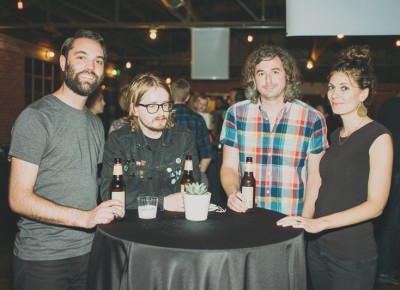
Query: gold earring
362	111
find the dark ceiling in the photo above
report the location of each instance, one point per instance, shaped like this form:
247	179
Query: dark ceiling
125	23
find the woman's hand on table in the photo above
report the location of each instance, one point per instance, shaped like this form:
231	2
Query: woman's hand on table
309	225
236	202
174	202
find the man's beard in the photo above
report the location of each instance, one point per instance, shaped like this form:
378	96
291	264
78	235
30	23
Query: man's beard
153	128
81	88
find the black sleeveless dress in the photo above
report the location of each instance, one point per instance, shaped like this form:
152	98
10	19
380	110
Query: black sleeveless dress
344	171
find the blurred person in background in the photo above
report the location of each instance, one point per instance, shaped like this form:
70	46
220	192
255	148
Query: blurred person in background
235	95
388	225
217	117
213	172
200	105
180	93
190	101
96	103
332	121
123	102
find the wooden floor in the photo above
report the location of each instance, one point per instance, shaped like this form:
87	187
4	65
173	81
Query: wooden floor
8	227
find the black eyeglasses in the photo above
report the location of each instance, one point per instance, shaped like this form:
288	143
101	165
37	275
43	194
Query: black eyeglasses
153	108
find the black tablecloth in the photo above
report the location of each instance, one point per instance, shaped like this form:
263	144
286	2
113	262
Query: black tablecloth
227	251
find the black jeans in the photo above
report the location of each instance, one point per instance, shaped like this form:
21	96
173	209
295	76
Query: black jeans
328	272
65	274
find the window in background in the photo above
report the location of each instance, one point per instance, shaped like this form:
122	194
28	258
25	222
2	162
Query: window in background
40	79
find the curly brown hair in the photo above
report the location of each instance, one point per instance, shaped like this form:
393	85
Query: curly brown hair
267	52
356	62
139	85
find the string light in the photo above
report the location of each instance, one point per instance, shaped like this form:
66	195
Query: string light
153	33
340	36
398	42
128	65
20	5
117	72
49	53
250	38
310	64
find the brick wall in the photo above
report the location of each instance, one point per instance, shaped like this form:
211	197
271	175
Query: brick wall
12	62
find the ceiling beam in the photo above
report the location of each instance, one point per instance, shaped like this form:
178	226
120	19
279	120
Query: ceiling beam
170	11
83	11
248	10
160	25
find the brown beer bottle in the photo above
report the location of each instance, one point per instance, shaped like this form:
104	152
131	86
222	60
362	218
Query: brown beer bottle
187	177
117	189
248	185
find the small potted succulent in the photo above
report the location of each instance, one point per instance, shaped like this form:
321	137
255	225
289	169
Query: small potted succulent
197	200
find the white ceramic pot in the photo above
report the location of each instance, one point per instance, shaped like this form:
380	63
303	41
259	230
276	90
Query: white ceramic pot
196	206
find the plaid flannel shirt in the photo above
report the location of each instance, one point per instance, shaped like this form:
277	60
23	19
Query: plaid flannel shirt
195	123
279	155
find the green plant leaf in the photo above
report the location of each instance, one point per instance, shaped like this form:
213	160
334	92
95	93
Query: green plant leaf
196	188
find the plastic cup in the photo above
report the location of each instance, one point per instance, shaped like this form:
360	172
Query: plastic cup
147	207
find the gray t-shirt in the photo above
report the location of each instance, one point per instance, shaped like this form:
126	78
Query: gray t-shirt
66	144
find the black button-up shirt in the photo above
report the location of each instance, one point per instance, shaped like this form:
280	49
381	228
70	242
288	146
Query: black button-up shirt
148	172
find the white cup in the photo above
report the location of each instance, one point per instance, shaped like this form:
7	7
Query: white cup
147	207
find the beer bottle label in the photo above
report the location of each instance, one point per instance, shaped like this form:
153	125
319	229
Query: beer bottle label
117	169
188	165
248	194
119	195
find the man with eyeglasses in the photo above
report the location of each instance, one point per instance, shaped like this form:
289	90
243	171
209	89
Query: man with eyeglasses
152	147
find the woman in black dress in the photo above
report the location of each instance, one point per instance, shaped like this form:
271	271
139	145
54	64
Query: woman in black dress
355	180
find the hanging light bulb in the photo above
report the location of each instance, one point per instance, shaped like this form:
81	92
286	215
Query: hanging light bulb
20	5
49	53
398	42
128	65
310	64
340	36
250	38
153	33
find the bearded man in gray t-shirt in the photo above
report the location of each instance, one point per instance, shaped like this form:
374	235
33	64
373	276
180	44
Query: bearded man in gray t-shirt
55	149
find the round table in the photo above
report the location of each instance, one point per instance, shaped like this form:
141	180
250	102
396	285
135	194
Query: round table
227	251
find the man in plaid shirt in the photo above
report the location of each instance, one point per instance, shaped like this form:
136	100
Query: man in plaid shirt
180	92
285	137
